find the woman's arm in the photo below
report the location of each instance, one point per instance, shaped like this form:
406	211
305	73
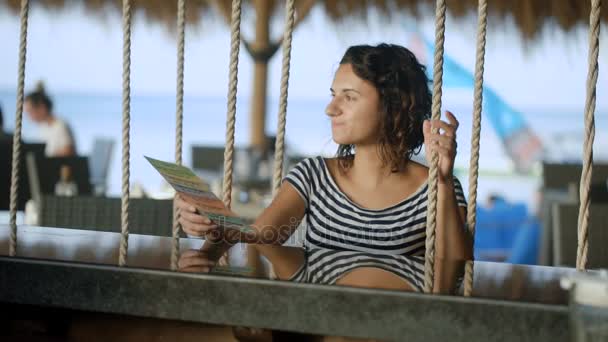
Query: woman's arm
277	222
451	239
272	227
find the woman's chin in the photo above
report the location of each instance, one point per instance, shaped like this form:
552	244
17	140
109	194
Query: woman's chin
341	140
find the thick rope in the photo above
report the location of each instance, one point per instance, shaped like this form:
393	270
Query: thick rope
126	108
282	121
235	41
17	134
431	218
179	116
583	213
482	21
231	112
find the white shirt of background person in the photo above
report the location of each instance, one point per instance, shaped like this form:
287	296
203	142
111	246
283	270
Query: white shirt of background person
57	136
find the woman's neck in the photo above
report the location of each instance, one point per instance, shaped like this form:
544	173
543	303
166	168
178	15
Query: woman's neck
368	169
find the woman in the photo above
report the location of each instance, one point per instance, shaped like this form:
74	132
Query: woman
371	197
54	131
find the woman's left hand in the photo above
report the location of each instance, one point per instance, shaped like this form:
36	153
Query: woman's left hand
443	141
195	261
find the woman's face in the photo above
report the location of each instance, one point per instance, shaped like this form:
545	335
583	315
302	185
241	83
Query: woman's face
353	109
37	113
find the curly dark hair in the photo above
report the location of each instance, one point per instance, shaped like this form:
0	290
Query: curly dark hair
405	100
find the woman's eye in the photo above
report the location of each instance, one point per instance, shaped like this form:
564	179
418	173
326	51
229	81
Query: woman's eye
349	98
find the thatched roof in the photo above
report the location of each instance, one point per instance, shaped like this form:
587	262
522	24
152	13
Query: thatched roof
528	15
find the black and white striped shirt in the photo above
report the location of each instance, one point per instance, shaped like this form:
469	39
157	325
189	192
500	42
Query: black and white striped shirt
326	266
334	222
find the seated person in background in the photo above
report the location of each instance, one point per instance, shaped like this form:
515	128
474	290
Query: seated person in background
495	199
55	132
4	136
371	197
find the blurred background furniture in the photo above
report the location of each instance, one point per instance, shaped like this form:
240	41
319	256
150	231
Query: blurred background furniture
565	218
6	162
146	216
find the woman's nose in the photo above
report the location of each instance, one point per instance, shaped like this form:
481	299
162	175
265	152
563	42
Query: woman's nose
332	108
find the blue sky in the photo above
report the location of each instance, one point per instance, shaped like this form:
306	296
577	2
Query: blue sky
74	52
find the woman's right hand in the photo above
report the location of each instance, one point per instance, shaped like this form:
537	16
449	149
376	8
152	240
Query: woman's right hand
194	223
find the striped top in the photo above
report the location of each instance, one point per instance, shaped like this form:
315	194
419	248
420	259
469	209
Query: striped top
334	222
323	266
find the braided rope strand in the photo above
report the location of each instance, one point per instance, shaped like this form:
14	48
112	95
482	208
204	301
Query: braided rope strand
585	184
235	42
475	137
231	111
431	220
16	157
126	119
179	117
282	120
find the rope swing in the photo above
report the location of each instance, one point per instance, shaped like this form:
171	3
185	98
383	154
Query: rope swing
235	27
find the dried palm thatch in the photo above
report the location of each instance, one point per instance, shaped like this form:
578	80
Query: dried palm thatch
164	11
529	16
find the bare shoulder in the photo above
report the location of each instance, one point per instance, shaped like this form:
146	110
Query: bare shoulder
330	161
418	171
332	165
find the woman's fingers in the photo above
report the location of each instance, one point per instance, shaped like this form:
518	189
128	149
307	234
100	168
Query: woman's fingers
195	259
191	253
195	218
452	119
443	140
448	129
426	128
196	269
195	262
443	151
195	224
197	229
183	205
192	222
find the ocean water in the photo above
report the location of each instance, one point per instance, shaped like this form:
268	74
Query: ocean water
308	132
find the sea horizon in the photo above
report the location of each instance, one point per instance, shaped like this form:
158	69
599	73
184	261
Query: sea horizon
308	132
